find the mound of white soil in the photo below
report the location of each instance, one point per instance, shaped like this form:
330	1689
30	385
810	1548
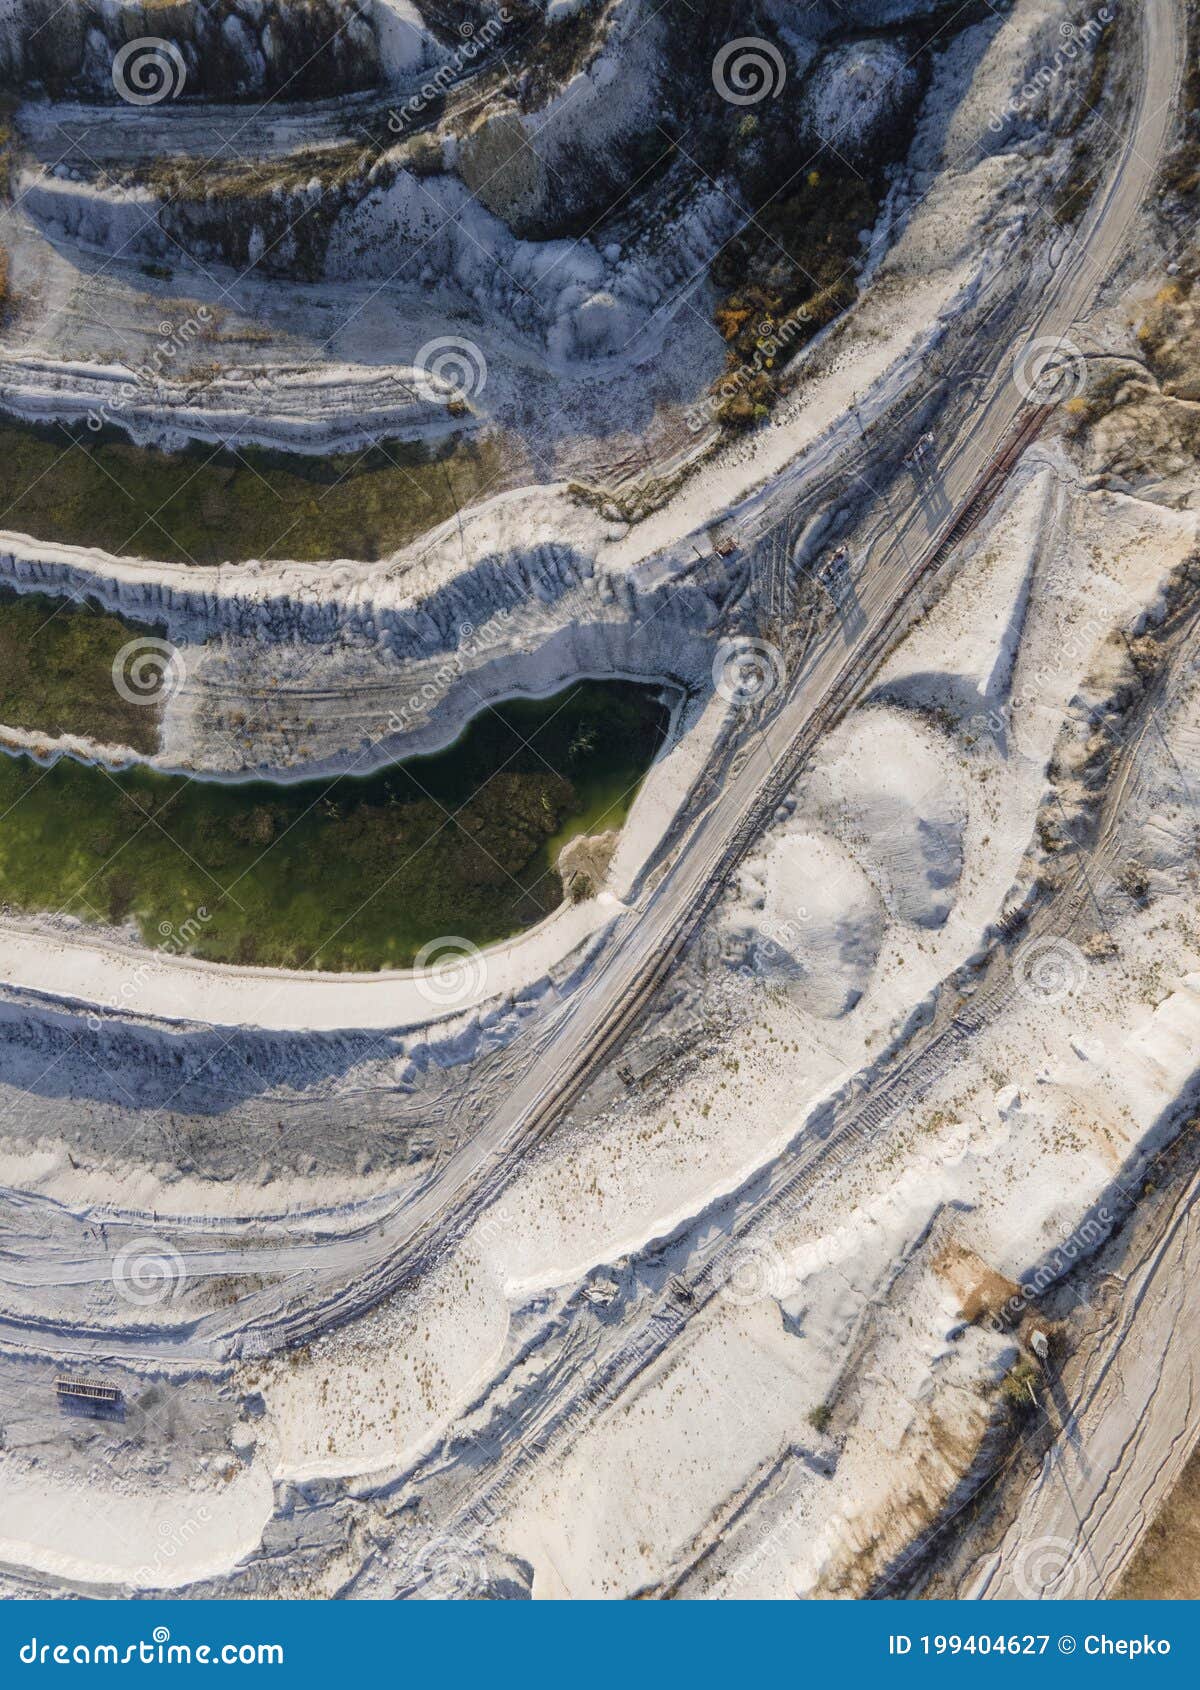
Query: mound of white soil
812	920
887	788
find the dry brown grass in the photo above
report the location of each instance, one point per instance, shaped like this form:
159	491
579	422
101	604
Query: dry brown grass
982	1293
1167	1565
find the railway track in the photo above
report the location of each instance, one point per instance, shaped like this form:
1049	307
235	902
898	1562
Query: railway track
845	689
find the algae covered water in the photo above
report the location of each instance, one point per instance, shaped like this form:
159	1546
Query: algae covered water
345	873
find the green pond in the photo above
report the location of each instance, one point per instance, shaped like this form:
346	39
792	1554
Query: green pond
205	505
345	873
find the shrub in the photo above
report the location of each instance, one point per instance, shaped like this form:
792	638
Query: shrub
1019	1386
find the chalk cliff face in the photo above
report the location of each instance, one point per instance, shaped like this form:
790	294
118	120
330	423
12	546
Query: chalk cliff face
399	658
226	48
554	199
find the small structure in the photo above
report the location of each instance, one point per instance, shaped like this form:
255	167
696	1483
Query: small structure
919	450
87	1390
680	1289
601	1292
833	574
725	548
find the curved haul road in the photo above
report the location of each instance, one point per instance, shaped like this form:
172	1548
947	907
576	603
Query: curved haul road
359	1269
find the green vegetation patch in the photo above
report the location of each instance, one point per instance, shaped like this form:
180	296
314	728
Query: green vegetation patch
351	873
785	277
207	505
56	671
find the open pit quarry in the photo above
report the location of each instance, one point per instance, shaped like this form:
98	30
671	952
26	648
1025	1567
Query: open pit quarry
600	798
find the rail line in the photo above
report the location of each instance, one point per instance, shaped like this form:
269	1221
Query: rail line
841	693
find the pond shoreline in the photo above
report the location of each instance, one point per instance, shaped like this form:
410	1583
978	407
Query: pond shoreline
349	872
117	759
